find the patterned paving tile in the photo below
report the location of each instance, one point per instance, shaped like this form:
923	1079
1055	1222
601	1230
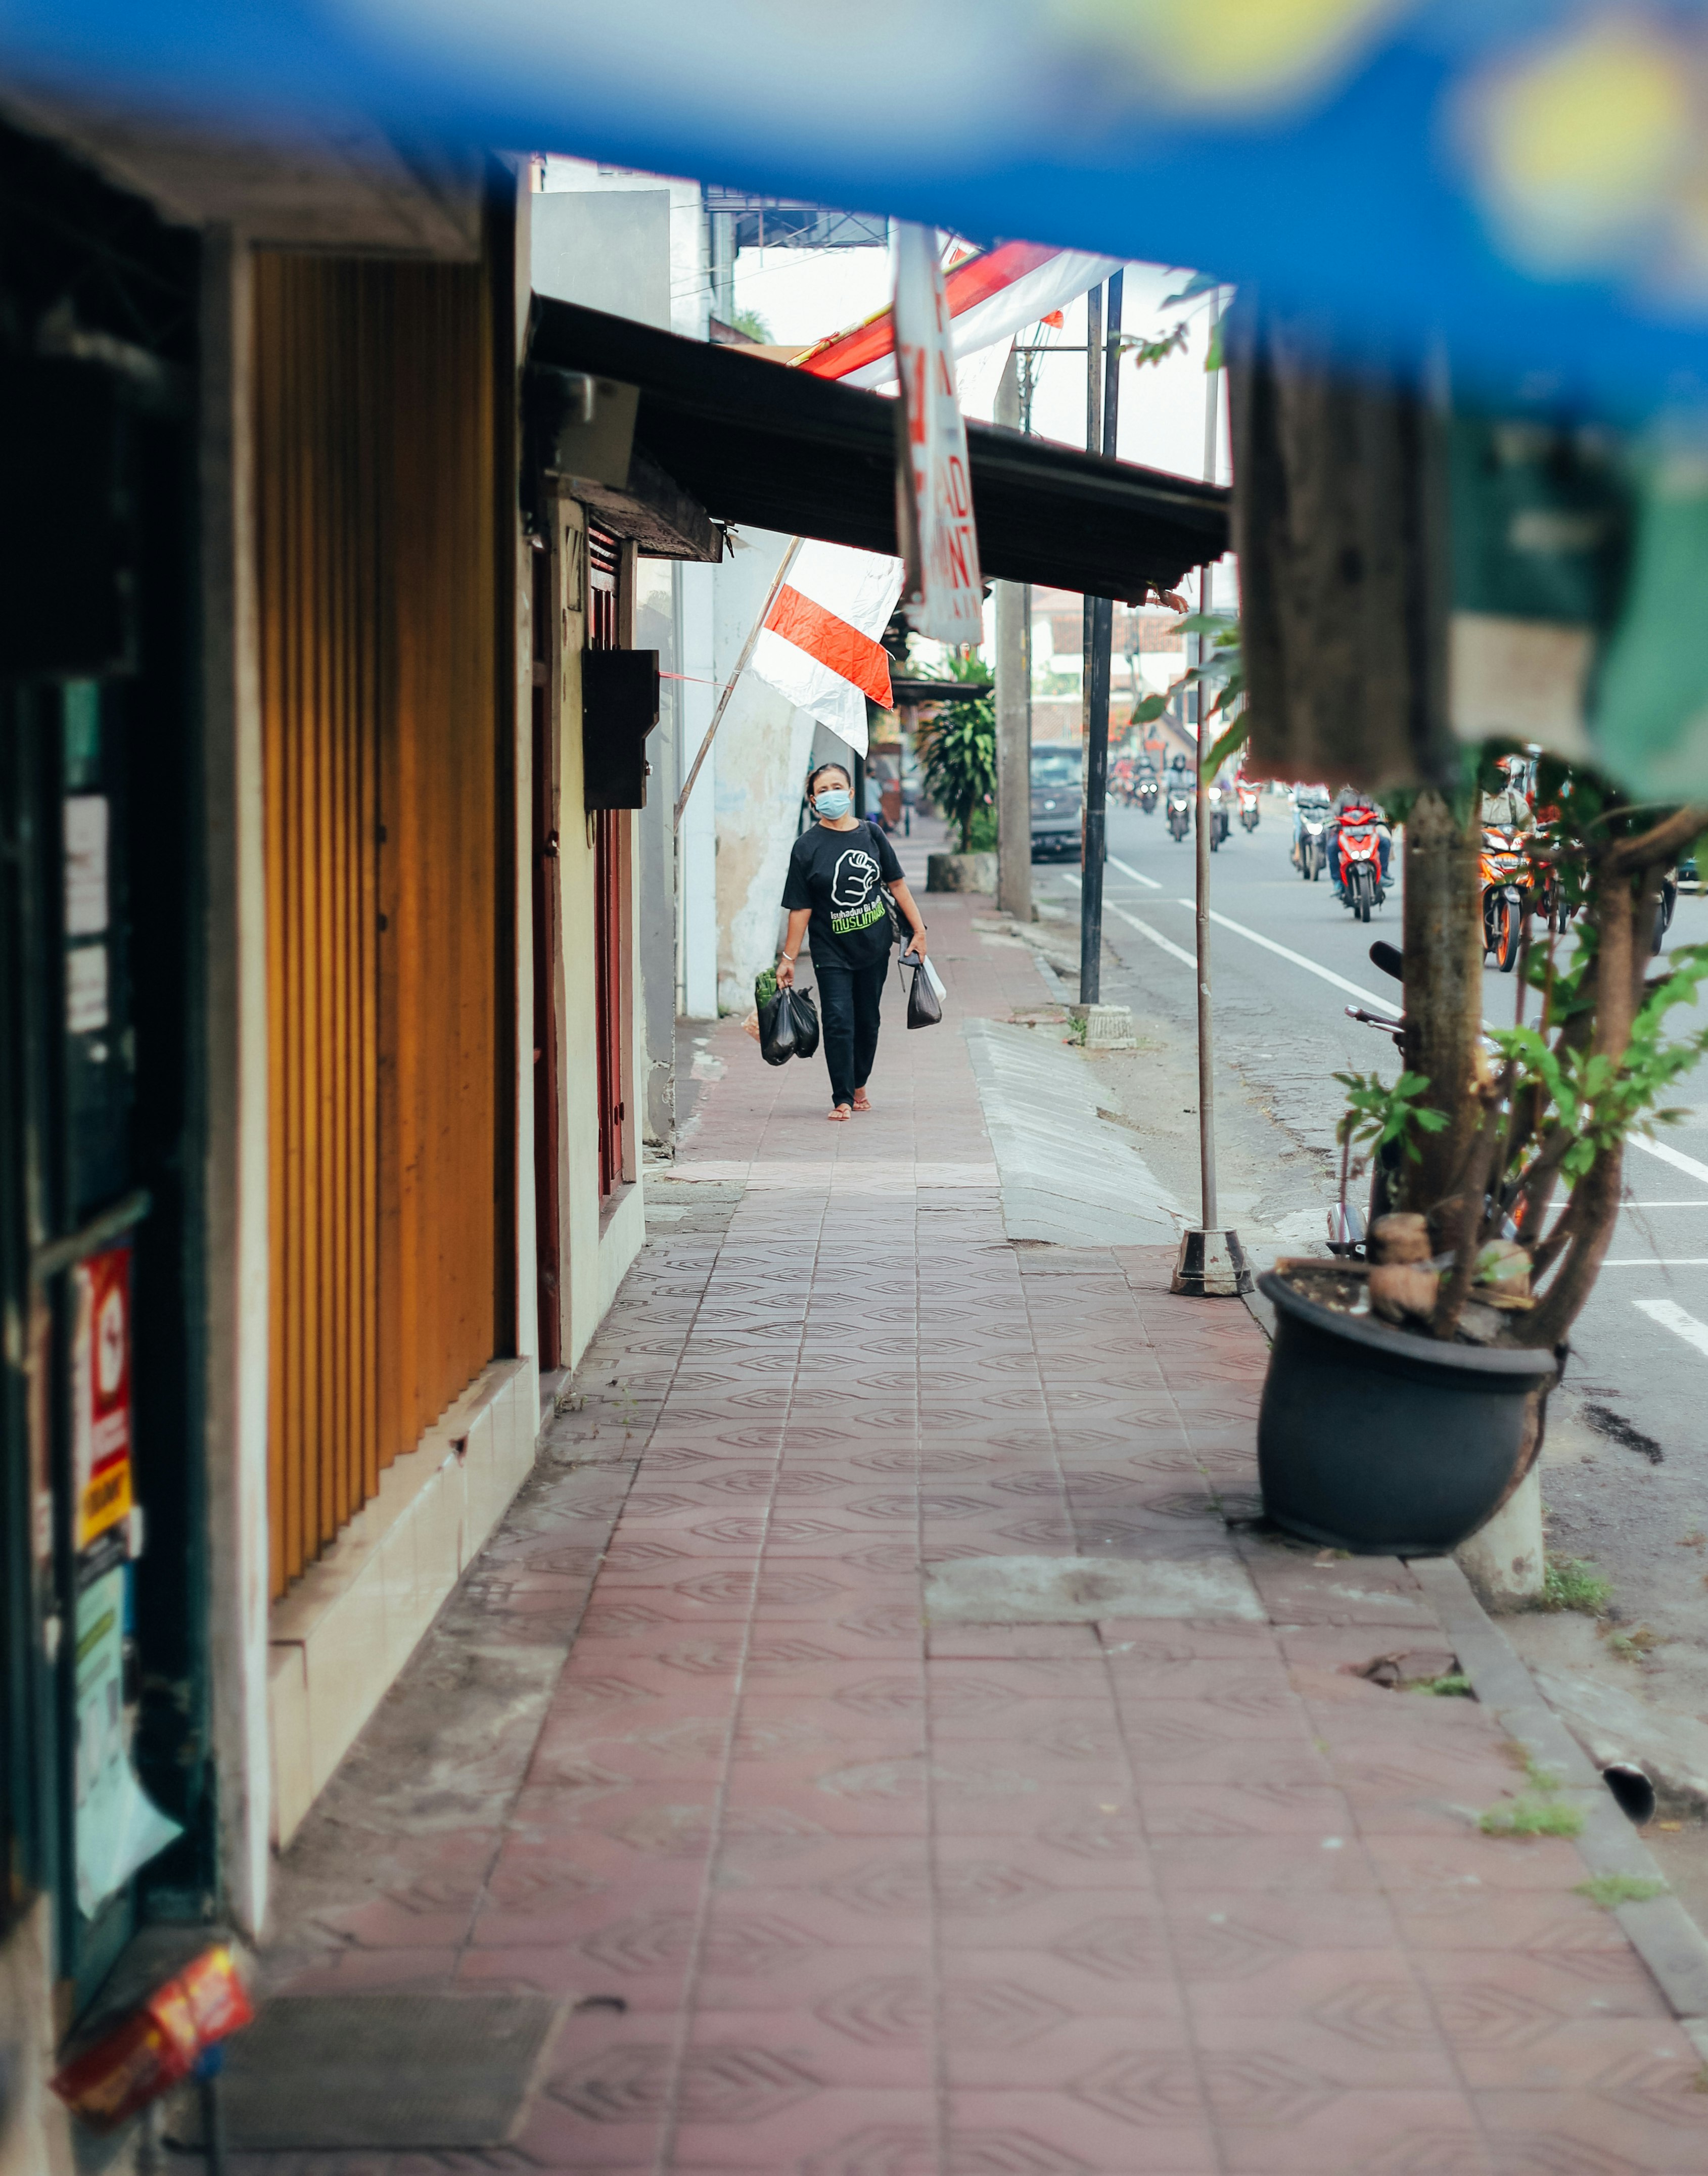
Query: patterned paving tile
827	1889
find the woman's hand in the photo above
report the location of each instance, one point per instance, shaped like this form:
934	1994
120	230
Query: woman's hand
786	972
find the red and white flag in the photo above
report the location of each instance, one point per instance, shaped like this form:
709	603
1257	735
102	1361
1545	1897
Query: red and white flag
819	645
933	493
990	297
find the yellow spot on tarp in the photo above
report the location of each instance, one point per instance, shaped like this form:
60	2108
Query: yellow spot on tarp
1584	139
1226	55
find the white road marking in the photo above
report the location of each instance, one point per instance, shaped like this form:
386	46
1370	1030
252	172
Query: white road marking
1673	1318
1154	935
1299	959
1676	1157
1144	928
1114	864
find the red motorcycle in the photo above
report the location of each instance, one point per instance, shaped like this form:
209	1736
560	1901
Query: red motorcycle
1359	852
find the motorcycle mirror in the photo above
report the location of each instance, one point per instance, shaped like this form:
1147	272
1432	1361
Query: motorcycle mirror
1389	959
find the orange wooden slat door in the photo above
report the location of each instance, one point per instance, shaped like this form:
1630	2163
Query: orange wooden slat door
382	737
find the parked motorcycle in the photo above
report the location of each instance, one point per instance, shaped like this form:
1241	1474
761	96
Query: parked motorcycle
1505	873
1247	806
1348	1227
1179	811
1359	843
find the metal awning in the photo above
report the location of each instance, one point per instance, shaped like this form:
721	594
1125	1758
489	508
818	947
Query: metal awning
753	442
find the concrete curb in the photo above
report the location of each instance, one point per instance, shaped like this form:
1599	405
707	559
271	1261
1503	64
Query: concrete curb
1662	1933
1066	1178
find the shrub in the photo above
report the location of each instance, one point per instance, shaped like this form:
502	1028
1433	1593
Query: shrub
957	756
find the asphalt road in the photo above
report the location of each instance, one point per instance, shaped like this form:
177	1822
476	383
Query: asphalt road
1287	960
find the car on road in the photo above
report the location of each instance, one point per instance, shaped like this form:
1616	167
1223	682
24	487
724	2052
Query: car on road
1057	799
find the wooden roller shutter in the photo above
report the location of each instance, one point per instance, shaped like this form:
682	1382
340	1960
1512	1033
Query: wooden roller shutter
382	735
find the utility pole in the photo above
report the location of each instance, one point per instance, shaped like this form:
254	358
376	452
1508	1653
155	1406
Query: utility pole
1212	1263
1099	621
1013	712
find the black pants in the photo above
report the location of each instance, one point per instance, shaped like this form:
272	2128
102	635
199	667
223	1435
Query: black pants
848	1002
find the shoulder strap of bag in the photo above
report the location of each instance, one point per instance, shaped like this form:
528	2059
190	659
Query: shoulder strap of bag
892	912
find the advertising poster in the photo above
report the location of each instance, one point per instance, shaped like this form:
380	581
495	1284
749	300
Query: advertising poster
100	1395
119	1828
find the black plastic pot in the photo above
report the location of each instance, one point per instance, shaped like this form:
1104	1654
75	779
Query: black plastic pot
1378	1441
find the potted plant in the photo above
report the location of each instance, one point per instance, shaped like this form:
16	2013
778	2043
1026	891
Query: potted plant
1405	1395
957	759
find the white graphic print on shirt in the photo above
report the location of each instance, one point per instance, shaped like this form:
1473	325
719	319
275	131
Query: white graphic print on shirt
854	893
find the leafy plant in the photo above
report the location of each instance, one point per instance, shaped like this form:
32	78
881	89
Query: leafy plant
750	323
1529	1817
1552	1115
957	752
1610	1890
1571	1583
1455	1685
1378	1115
1159	349
1539	1813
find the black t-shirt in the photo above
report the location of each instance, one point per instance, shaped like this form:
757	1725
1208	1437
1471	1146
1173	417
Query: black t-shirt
837	873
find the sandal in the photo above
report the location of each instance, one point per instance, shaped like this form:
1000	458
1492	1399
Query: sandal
839	1112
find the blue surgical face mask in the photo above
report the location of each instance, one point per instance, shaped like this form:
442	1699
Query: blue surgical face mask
834	801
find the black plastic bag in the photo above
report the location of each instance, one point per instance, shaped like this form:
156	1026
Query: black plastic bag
924	1006
806	1022
788	1027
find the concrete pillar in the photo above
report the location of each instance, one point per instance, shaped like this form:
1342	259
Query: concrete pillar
1504	1561
1013	715
697	892
658	622
233	938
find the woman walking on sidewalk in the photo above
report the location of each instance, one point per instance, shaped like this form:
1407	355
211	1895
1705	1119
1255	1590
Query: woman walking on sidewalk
836	871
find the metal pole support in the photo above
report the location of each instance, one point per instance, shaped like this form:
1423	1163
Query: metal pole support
1212	1262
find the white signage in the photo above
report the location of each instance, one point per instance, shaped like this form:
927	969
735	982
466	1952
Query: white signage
944	589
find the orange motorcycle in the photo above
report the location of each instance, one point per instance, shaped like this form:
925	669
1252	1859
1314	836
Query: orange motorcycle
1505	872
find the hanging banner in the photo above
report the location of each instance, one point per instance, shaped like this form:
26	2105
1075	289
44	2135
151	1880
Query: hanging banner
819	643
943	588
100	1395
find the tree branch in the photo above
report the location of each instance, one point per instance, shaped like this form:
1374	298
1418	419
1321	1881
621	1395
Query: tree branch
1660	843
1599	1193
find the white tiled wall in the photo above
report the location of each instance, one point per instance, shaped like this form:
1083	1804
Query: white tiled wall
350	1623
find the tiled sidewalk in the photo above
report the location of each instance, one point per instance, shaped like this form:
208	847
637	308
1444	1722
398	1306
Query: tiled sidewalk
842	1888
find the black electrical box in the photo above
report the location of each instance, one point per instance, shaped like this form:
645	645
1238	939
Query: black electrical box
619	708
68	575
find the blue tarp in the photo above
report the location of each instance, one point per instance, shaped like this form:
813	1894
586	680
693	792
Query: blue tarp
1517	186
